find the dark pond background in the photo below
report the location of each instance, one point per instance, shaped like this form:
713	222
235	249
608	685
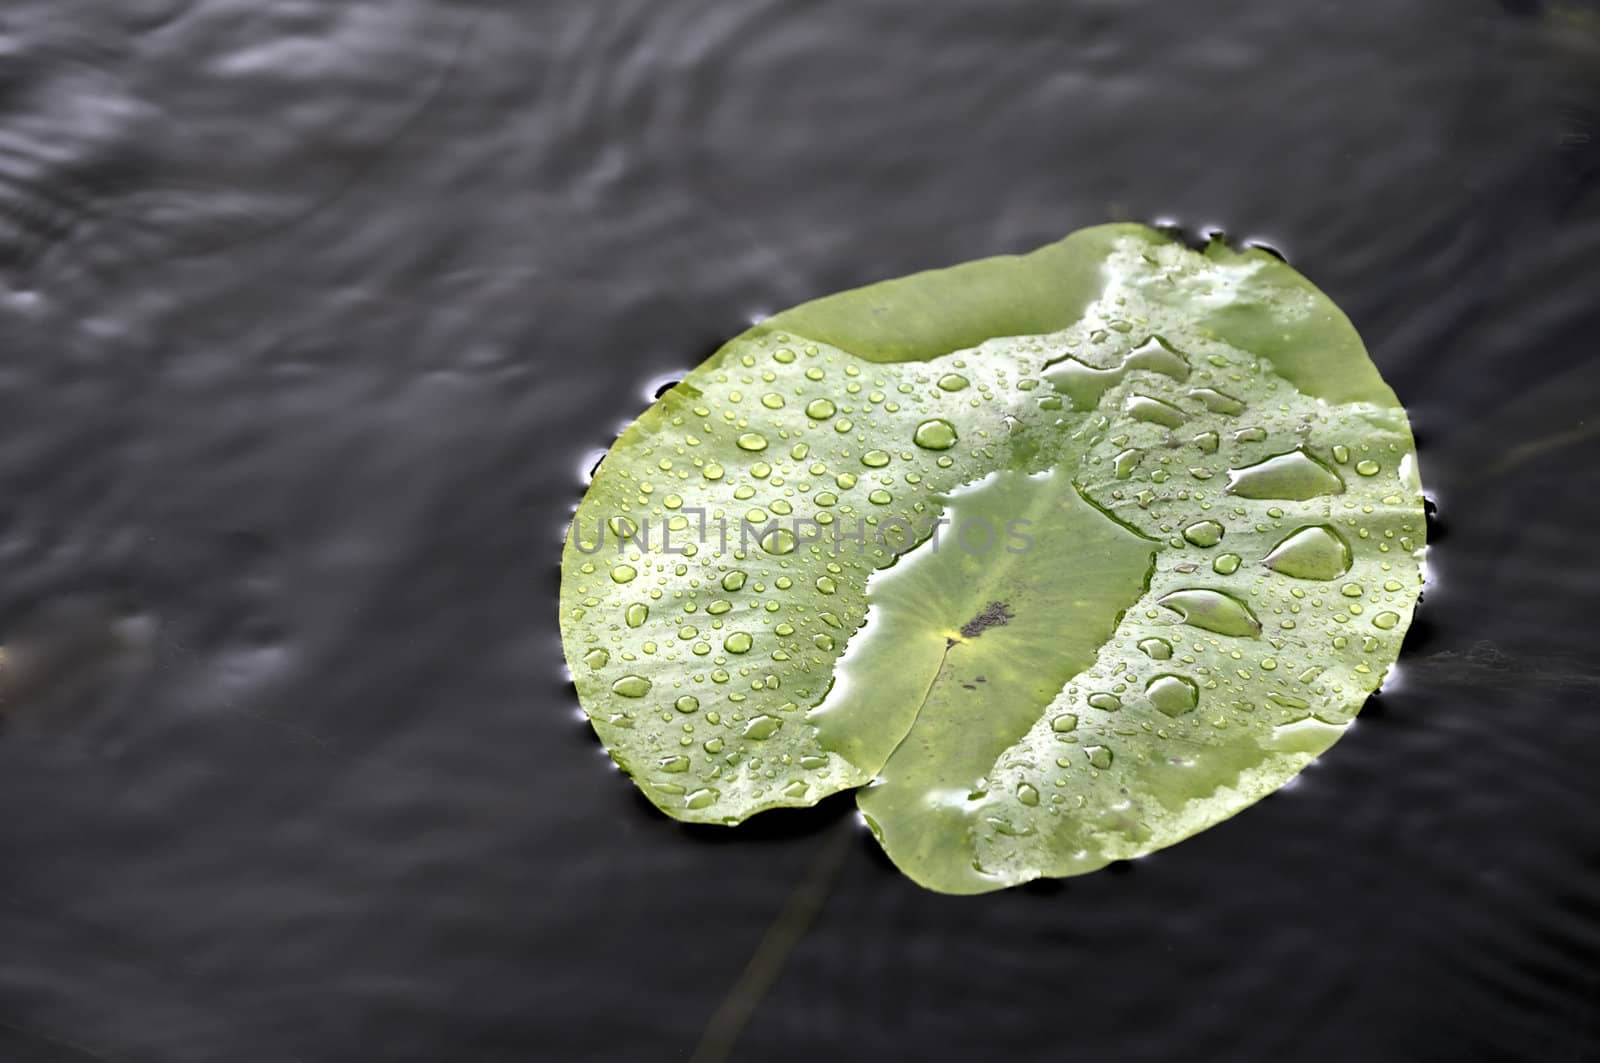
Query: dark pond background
314	312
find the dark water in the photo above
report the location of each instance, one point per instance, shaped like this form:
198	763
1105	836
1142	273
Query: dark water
312	313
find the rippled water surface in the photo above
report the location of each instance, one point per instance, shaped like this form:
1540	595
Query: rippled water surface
313	314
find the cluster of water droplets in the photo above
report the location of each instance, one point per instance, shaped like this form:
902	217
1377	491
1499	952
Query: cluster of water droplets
786	472
1282	541
722	567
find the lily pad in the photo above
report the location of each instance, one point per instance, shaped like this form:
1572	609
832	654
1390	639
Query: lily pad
1069	555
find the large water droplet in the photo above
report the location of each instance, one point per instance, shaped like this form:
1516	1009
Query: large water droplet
1217	401
752	441
631	686
779	541
637	614
674	765
819	409
953	382
762	727
1204	533
623	574
738	642
1154	411
702	798
1028	794
1214	611
1099	757
1317	552
1295	476
1172	695
875	459
935	434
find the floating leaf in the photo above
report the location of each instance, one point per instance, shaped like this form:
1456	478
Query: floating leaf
1070	555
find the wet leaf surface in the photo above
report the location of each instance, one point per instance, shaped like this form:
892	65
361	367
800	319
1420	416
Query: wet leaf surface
1070	555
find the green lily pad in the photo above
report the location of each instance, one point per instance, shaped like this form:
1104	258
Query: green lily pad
1069	555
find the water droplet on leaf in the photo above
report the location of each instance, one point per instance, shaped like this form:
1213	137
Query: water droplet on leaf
780	541
935	434
1213	611
1217	401
1156	649
1294	476
631	686
762	727
1154	411
1172	695
1316	552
